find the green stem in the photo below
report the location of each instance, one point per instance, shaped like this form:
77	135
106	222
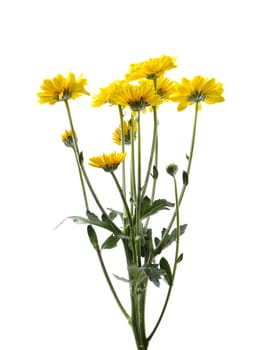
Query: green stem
175	262
111	285
132	166
154	147
123	150
185	184
139	233
76	152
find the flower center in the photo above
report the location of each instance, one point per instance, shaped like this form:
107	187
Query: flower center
64	95
138	105
197	96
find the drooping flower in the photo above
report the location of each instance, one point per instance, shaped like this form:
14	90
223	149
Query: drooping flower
108	162
152	68
117	135
67	138
138	97
62	88
197	90
107	94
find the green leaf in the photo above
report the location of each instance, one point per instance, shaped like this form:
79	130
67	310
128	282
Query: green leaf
185	178
93	237
81	158
154	273
155	172
164	265
114	213
76	220
110	242
180	258
121	278
104	223
149	208
168	240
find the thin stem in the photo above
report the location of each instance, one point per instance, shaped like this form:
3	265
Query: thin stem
138	204
187	170
123	198
76	152
111	285
153	150
82	183
123	150
132	166
175	262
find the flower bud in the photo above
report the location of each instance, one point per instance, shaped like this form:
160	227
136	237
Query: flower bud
172	169
67	138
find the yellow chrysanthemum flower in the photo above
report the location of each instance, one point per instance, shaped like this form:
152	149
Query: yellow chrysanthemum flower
67	138
62	88
108	162
107	94
152	68
138	97
117	138
197	90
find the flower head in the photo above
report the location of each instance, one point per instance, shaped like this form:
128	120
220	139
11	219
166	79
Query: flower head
67	138
138	97
151	68
197	90
62	88
107	94
108	162
117	136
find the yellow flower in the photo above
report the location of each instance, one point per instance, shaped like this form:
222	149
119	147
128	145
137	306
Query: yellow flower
117	138
197	90
108	162
138	97
62	88
67	138
106	94
151	68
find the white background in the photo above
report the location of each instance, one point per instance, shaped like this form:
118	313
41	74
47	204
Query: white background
52	293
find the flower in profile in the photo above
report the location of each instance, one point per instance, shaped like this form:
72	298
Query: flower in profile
67	138
152	68
107	94
62	88
197	90
117	135
138	97
108	162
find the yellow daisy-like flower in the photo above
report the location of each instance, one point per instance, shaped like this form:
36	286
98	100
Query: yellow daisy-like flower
108	162
138	97
197	90
67	138
62	88
107	94
117	138
152	68
165	87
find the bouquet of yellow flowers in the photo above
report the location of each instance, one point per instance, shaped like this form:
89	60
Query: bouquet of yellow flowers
144	88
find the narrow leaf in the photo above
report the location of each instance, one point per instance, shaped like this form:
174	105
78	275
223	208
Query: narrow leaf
185	178
148	208
164	265
110	242
121	278
93	237
155	172
180	258
75	219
